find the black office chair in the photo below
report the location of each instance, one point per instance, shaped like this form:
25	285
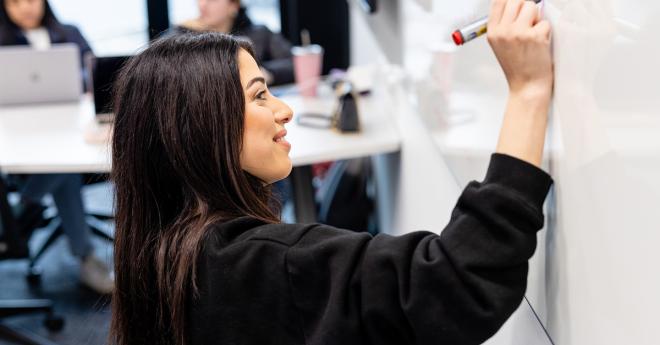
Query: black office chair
34	271
344	197
14	246
94	221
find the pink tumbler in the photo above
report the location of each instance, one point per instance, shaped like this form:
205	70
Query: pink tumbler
307	66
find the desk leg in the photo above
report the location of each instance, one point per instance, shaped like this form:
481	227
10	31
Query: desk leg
303	194
7	220
386	176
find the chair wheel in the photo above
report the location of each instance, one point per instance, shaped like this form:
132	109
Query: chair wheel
54	323
34	277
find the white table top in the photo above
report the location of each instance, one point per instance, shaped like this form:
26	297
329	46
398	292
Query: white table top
379	133
51	138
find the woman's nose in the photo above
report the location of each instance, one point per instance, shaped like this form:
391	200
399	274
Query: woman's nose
283	114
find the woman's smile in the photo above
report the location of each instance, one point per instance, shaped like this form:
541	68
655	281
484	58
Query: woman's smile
281	140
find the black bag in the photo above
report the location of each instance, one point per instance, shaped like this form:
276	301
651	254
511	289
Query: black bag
346	118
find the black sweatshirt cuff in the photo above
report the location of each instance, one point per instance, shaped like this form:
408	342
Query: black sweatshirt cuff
529	181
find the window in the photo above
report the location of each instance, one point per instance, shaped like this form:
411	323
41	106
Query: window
265	12
117	27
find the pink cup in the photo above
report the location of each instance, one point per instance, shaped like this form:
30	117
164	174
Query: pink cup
307	66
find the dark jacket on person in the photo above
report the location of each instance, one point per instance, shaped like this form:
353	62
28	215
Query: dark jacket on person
60	34
272	50
314	284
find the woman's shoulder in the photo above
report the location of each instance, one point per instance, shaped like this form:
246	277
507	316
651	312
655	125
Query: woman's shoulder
261	32
191	25
66	33
247	229
69	29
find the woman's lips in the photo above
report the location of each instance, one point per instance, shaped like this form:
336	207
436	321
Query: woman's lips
279	138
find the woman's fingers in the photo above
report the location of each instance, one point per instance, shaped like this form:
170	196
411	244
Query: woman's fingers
543	29
521	42
511	11
496	12
529	14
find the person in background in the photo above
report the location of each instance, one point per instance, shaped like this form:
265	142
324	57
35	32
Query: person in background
272	51
33	23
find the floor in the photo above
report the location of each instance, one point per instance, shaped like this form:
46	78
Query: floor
87	314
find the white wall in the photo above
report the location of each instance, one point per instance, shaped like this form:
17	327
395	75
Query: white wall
112	27
364	49
423	169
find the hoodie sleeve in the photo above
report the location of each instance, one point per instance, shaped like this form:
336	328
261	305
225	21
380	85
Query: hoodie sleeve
421	288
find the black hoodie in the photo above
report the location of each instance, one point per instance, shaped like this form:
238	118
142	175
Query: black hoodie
314	284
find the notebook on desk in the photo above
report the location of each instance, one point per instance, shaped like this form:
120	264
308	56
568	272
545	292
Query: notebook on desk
103	72
29	76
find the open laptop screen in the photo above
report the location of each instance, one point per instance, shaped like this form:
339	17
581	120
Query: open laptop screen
103	73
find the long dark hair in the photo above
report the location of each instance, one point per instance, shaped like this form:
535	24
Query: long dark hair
9	31
177	138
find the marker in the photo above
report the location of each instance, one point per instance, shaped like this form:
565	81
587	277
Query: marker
474	30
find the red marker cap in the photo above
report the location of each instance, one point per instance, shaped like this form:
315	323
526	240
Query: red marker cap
458	38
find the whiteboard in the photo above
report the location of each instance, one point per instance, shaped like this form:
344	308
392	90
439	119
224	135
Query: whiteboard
602	281
594	278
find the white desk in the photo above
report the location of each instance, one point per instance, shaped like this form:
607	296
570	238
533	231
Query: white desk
50	138
308	145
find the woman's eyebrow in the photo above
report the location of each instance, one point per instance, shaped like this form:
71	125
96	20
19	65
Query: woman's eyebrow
255	80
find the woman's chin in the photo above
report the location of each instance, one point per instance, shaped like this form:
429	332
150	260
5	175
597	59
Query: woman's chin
285	173
280	175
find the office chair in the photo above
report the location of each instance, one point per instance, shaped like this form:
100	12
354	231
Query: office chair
34	271
344	197
13	246
93	221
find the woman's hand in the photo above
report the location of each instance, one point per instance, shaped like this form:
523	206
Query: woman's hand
521	42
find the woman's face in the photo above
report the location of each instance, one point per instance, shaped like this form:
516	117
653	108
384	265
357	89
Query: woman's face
265	151
26	14
216	13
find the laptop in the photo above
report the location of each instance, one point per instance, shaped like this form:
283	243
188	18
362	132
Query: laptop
103	72
29	76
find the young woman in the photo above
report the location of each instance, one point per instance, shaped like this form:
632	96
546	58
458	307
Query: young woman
271	50
200	258
32	22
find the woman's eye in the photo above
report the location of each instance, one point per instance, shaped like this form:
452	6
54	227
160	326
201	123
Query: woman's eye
261	95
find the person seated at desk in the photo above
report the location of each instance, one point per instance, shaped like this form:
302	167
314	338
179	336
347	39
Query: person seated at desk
201	258
272	51
33	23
